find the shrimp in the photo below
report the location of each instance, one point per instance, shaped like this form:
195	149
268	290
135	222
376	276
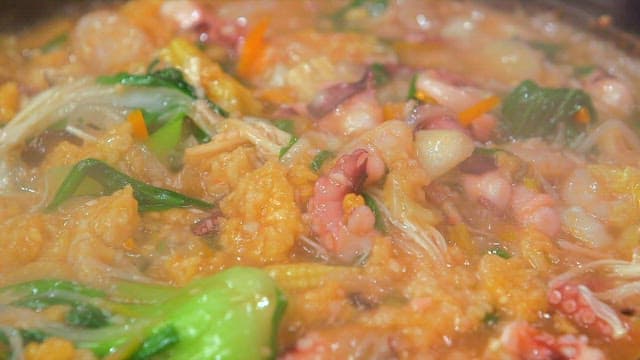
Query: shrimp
492	188
550	162
535	209
344	235
455	94
611	95
525	342
105	41
449	90
354	116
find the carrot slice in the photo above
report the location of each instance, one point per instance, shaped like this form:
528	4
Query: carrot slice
582	116
138	126
253	49
477	109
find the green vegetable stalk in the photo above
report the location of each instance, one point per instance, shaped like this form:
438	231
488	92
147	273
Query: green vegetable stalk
150	198
168	78
234	314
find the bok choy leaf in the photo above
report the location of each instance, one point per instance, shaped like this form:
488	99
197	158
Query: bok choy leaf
234	314
150	198
534	111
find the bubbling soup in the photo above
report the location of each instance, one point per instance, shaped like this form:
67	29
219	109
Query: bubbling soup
366	179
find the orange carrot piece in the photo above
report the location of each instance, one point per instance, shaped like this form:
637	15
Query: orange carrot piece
477	109
253	49
582	116
138	126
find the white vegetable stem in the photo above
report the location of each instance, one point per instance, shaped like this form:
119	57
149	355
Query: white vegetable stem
441	150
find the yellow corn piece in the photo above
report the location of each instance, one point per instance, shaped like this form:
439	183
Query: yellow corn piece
9	101
459	234
531	183
52	348
279	95
393	111
350	202
129	244
304	276
425	98
219	86
481	107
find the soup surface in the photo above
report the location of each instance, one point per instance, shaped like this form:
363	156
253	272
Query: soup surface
363	179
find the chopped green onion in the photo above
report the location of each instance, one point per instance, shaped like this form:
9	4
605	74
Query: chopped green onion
371	203
581	71
54	43
292	141
217	109
320	158
549	49
498	251
201	136
413	89
380	74
373	7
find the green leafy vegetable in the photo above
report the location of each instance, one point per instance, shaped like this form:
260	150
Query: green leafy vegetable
150	198
289	127
380	74
157	342
234	314
86	315
285	125
584	70
201	136
217	109
373	8
498	251
54	43
549	49
320	158
371	203
32	336
530	111
167	77
292	141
